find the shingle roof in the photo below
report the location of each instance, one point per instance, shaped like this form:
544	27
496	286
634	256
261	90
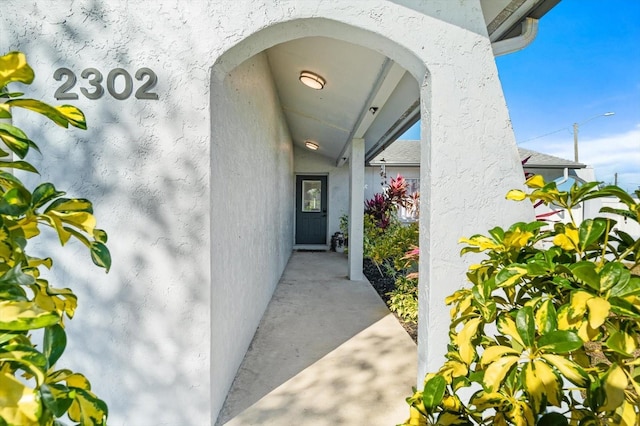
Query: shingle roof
407	153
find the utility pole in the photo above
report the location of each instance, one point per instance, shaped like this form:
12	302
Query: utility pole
575	132
575	142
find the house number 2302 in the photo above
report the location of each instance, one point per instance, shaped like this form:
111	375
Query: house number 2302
95	79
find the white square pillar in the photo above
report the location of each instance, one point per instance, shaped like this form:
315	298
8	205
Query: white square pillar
356	209
469	161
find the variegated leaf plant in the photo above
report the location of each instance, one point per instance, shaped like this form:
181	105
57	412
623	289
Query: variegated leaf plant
32	390
548	333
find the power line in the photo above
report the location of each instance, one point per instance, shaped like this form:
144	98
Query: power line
546	134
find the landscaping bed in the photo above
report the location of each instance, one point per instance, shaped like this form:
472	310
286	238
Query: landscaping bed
383	285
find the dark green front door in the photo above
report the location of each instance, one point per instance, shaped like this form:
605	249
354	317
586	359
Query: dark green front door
311	209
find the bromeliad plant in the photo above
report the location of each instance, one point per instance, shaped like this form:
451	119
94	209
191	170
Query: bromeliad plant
549	331
32	390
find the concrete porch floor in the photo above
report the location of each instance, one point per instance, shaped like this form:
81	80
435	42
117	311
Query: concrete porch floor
327	352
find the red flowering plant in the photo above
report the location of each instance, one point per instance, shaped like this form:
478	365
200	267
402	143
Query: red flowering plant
383	206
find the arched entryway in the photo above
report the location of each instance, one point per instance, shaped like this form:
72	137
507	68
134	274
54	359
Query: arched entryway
261	117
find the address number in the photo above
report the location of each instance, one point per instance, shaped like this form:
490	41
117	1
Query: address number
95	80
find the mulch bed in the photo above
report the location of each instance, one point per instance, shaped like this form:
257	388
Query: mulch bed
383	284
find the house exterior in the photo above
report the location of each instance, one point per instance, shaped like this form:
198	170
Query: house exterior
403	158
197	161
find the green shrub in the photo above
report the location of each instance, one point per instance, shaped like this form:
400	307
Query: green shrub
403	299
548	333
387	247
32	391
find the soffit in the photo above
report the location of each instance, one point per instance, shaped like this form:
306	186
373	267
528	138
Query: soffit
358	79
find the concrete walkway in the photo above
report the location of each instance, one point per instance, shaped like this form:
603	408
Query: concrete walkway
327	352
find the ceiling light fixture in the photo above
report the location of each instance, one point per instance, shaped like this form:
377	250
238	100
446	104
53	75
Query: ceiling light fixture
312	80
311	145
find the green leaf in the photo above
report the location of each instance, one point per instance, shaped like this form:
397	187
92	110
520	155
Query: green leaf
20	403
586	271
614	191
433	392
569	369
595	394
14	68
560	342
29	359
73	115
23	316
88	409
15	202
20	165
15	276
58	399
622	307
9	180
55	342
100	255
44	193
526	325
613	274
5	337
534	226
62	115
65	205
10	95
13	292
621	343
41	108
537	268
100	236
510	275
628	288
546	317
497	233
15	139
56	223
553	419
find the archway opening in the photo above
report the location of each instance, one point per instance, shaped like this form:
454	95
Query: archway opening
263	120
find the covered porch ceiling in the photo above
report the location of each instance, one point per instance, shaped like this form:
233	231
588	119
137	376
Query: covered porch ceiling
366	95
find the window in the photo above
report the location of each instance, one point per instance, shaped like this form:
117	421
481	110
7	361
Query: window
311	191
413	186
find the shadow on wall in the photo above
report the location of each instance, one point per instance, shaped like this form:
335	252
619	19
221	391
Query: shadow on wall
134	328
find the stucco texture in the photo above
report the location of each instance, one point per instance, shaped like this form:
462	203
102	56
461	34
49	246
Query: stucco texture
251	210
196	188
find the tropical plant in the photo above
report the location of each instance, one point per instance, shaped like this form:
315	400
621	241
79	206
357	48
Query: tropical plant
383	206
403	299
32	390
549	330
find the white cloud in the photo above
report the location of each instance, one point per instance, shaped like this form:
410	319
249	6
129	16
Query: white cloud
618	153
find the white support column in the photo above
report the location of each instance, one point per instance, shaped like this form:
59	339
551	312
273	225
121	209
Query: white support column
469	161
356	208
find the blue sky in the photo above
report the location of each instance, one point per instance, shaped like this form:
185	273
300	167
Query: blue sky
584	62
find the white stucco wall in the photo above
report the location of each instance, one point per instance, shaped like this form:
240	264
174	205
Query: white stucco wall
307	162
153	335
251	211
141	333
